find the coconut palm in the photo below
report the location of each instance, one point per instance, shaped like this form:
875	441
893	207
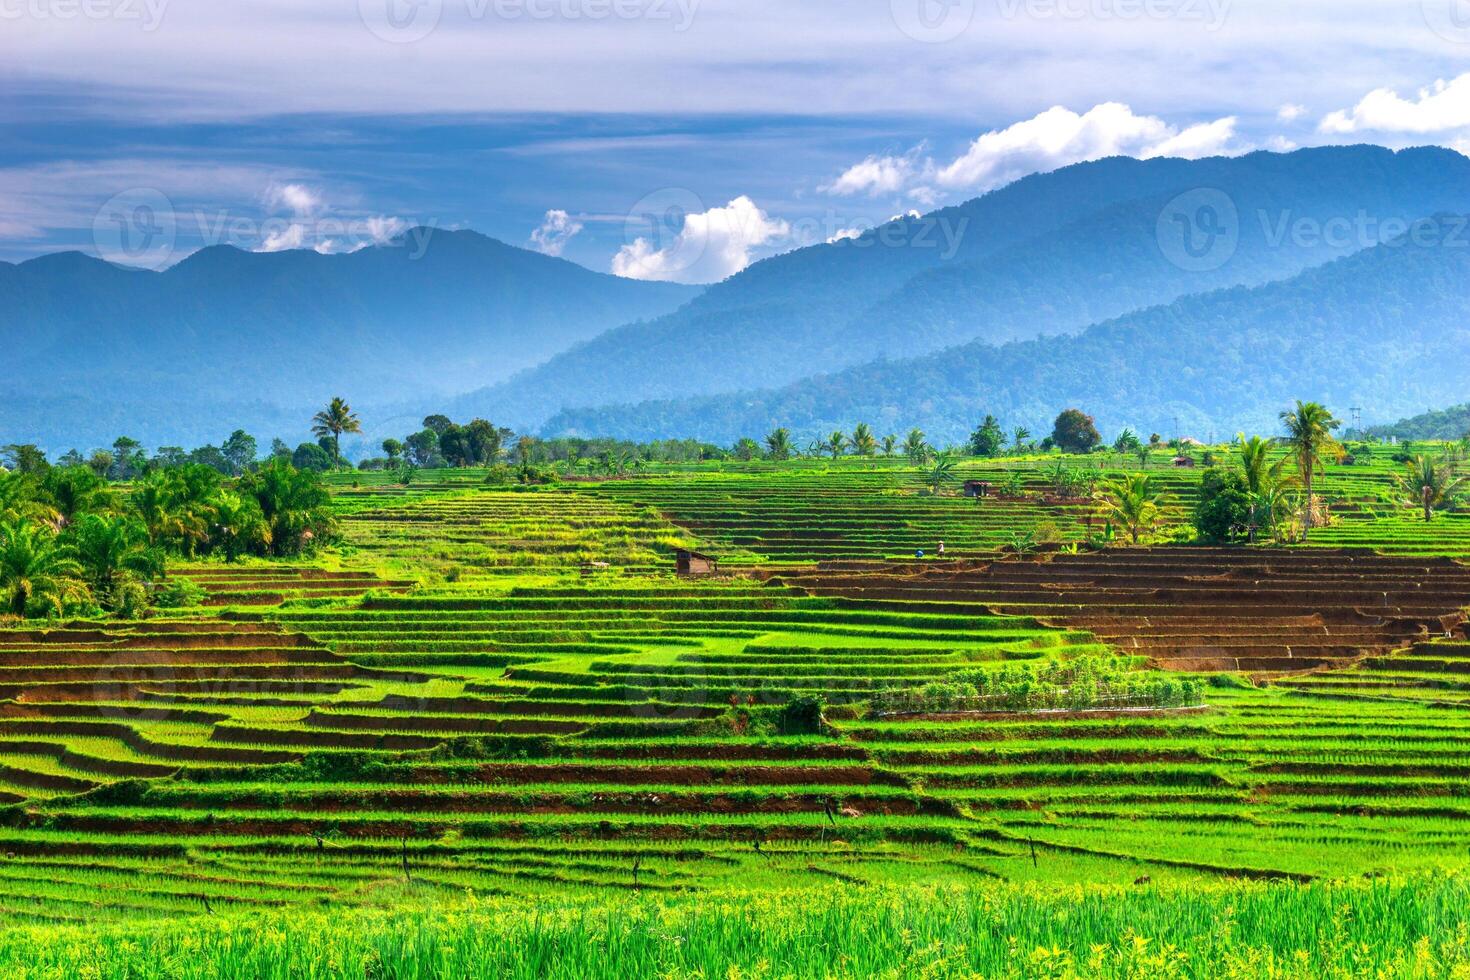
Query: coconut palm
36	571
1429	484
1255	462
889	442
863	442
1135	503
778	444
333	421
915	448
1309	434
836	442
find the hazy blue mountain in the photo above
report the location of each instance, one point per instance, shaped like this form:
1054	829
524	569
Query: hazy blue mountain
1445	423
1385	330
225	328
1046	255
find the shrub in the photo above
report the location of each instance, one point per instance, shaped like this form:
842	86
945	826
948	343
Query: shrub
1223	510
802	716
179	593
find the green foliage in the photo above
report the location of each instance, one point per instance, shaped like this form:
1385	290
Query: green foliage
1074	432
39	575
1081	684
179	592
1223	510
802	715
989	439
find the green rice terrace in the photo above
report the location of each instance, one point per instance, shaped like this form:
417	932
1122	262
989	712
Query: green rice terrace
507	697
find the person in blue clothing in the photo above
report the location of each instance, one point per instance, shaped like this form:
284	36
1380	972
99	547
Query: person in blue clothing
919	553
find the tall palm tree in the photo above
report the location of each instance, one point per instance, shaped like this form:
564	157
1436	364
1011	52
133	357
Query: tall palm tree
1135	503
836	442
1309	434
1429	484
889	442
333	421
778	444
863	442
915	448
36	570
1019	439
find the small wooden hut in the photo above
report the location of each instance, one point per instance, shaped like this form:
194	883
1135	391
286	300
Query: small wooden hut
693	563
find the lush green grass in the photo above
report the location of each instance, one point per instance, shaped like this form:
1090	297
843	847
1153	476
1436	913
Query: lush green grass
1386	928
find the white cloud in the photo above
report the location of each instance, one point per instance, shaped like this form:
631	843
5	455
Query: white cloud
557	228
842	234
875	175
382	229
299	199
1280	144
1203	140
1054	138
1059	137
1442	107
291	236
1291	112
710	246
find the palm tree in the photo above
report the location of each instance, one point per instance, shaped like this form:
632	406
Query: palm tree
295	505
109	549
778	444
36	571
941	472
1255	461
1429	484
1309	434
1134	503
334	420
863	442
889	442
835	444
239	525
916	448
22	499
1019	438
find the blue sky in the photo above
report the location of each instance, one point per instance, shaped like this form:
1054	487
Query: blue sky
603	130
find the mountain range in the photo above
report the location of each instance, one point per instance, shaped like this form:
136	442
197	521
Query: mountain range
1047	255
1162	294
227	337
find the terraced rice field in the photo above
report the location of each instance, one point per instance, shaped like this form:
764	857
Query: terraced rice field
509	692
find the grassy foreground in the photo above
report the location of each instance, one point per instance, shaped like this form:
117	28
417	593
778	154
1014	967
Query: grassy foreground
1406	927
